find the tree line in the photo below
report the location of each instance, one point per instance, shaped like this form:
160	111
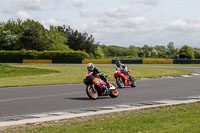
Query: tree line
158	51
16	35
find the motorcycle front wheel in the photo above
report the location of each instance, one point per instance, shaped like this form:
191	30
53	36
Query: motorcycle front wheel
120	82
114	92
91	92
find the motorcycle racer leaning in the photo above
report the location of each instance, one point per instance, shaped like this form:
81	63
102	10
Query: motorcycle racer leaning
122	68
92	68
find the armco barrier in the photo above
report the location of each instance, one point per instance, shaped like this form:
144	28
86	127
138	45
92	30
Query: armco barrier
36	61
67	61
97	61
128	61
158	61
186	61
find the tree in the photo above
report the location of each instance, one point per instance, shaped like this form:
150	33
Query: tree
154	53
186	52
140	52
172	52
56	41
99	52
147	51
162	51
78	40
133	51
7	40
30	35
9	34
197	53
33	36
171	45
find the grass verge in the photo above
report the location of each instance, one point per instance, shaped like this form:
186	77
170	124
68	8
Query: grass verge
182	65
42	74
182	118
12	71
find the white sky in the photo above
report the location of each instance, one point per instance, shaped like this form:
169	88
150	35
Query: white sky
116	22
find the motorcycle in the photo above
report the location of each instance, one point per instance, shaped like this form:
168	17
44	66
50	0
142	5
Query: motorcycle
124	80
95	87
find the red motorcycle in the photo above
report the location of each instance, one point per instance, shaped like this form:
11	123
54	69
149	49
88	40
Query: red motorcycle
124	80
95	87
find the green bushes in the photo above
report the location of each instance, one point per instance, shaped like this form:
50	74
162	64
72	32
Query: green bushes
186	52
55	55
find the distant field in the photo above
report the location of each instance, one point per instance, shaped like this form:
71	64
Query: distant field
48	74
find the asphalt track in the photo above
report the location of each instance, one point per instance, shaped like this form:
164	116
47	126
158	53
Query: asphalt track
54	98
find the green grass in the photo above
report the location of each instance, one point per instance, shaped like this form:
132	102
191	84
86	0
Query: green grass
44	74
182	65
170	119
7	71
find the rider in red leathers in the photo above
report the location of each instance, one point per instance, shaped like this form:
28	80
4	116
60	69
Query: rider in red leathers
122	68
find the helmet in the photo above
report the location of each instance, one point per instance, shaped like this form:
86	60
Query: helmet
118	63
90	66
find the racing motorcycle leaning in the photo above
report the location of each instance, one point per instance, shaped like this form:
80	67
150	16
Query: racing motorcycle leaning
95	87
122	79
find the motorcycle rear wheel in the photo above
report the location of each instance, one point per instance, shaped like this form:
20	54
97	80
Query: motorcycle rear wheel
133	84
91	92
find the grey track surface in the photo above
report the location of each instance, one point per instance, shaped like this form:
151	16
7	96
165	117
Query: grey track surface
40	99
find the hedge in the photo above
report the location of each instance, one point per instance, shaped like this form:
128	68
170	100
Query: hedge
54	55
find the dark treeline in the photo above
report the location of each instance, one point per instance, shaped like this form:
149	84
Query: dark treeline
32	35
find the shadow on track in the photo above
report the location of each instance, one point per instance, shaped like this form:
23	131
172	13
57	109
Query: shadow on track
86	98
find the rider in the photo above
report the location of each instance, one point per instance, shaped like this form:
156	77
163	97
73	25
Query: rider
122	68
92	68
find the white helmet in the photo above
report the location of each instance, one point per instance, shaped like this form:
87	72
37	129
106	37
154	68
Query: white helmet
90	66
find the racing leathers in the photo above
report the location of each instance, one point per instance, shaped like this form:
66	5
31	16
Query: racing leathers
101	75
123	69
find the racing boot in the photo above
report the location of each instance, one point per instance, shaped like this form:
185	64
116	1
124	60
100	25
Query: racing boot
130	78
107	88
108	84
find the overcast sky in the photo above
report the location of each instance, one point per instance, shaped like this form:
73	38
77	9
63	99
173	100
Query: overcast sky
116	22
